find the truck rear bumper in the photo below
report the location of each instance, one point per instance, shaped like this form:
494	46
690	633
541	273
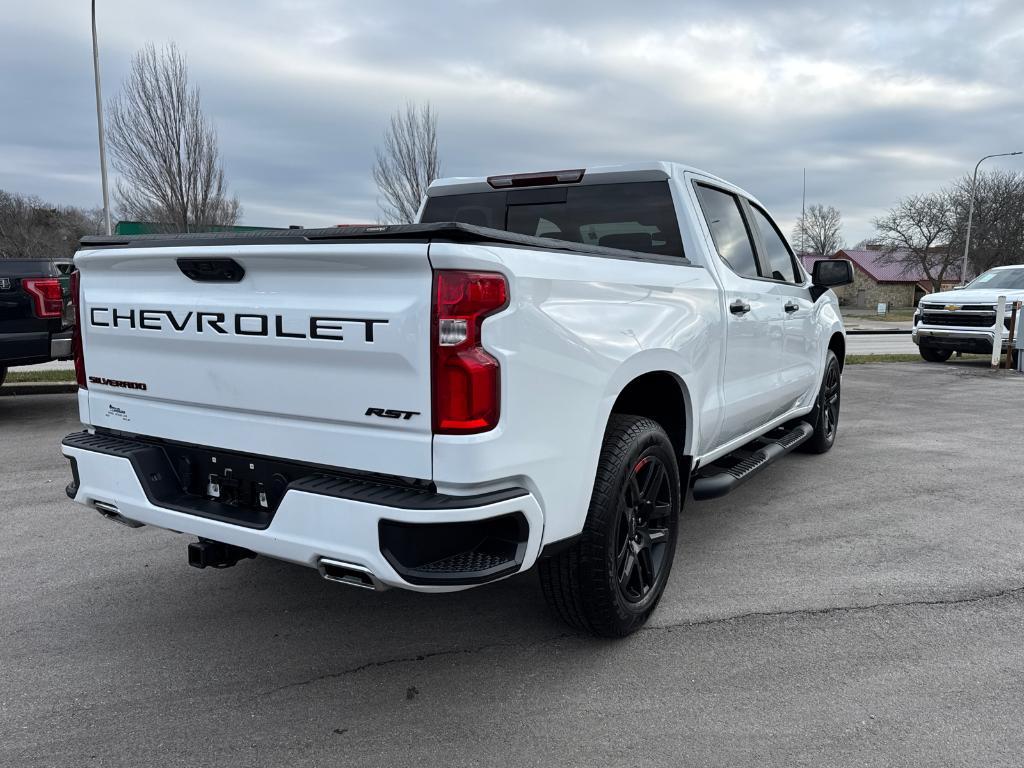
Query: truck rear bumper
497	534
24	348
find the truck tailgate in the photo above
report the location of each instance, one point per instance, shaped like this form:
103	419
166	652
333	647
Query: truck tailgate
306	357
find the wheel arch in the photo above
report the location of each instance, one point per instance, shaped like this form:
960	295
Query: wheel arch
837	343
662	396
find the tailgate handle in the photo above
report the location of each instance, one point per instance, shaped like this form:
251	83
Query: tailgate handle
212	270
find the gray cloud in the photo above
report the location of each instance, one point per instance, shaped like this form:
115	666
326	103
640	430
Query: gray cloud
875	99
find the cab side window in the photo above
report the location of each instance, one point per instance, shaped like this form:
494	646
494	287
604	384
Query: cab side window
780	258
728	229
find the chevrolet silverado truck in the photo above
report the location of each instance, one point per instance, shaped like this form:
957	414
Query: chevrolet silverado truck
536	373
964	319
34	313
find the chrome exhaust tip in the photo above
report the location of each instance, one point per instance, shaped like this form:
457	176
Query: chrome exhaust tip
350	574
111	512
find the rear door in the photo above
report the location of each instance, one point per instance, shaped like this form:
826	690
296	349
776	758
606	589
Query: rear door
317	353
754	317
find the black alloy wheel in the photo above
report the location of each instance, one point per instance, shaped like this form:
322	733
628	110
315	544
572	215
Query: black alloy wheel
643	528
830	402
610	579
825	416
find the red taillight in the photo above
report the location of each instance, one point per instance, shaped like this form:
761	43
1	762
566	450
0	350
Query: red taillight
47	296
466	379
76	334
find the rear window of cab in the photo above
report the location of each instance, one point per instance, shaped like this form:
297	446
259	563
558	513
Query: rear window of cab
637	216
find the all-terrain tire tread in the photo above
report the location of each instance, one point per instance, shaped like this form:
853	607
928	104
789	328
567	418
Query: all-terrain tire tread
572	580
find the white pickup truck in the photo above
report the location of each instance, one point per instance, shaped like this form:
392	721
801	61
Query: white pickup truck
536	373
966	319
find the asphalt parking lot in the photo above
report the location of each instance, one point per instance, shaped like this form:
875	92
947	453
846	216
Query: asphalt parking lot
861	608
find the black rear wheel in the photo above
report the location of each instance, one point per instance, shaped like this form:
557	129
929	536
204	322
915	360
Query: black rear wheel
611	579
935	355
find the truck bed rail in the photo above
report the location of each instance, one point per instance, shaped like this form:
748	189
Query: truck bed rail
425	233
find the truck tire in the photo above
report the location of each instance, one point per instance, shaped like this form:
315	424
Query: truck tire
612	577
935	355
825	416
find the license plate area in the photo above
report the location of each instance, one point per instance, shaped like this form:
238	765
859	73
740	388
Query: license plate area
239	481
236	488
249	488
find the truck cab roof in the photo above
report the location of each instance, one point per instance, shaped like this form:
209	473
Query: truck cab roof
650	170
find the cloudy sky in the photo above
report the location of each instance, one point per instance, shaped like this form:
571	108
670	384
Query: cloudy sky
875	99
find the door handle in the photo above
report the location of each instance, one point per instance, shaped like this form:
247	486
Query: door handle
791	306
739	307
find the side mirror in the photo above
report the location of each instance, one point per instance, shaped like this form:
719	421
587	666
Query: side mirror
830	273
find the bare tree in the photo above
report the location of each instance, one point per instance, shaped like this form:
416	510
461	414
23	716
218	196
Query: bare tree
407	162
820	231
918	235
31	228
997	232
165	149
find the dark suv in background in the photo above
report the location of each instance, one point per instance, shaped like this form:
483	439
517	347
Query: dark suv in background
35	313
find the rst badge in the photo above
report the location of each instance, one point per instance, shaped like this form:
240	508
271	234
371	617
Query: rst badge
391	413
5	283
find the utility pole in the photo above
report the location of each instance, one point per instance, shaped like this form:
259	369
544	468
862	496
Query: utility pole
99	120
803	217
970	212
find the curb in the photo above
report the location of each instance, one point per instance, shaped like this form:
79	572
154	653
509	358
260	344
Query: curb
40	388
885	332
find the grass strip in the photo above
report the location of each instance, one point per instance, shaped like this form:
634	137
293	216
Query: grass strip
27	377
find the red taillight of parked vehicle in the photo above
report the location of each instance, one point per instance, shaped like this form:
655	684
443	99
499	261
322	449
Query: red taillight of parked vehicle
466	379
76	334
46	294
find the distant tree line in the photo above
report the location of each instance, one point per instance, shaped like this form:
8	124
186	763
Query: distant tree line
925	233
33	229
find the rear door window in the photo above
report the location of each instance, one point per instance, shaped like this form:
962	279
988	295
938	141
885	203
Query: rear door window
637	216
780	259
728	229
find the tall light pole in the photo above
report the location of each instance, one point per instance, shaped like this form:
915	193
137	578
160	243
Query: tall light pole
99	120
970	211
803	216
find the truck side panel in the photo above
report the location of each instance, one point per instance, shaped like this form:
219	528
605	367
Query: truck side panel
565	346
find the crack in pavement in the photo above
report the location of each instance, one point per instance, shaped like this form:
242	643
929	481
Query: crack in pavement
417	658
1013	591
843	609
